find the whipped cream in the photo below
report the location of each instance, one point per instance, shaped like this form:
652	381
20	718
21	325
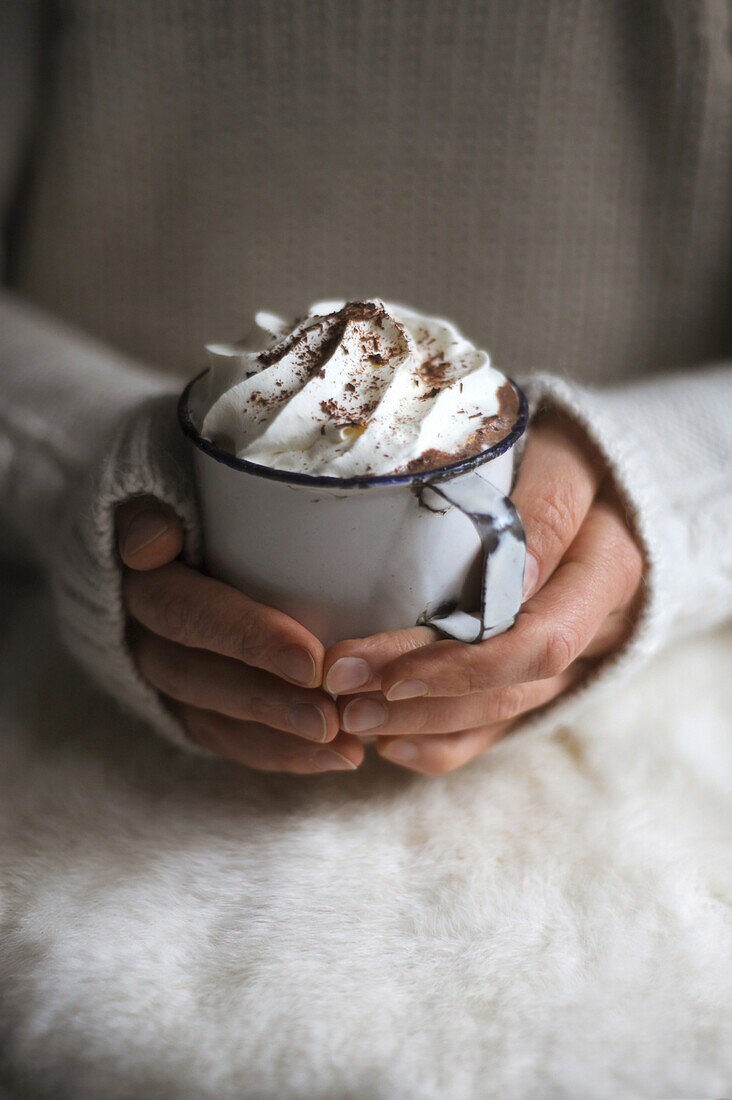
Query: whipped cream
357	388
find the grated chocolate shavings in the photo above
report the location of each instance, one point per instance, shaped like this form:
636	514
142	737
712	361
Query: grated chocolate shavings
493	429
435	371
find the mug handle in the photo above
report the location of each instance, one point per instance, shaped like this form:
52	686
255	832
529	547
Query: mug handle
504	555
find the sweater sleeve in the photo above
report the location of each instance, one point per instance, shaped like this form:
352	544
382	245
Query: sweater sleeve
82	428
667	441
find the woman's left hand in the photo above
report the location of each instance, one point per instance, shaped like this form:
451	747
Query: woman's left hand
433	703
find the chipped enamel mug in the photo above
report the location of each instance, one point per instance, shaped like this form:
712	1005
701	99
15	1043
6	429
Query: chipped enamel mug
350	557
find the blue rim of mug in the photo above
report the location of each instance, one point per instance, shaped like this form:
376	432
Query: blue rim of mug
323	481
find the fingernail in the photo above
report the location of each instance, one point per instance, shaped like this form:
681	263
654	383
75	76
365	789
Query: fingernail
144	529
329	760
363	714
406	689
347	674
309	720
296	664
531	576
401	752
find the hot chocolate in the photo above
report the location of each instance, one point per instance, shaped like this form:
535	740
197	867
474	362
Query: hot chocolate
359	388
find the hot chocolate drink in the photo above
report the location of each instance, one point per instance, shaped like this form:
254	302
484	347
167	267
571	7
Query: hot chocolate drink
355	389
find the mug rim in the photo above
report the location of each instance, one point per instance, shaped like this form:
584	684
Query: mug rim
364	481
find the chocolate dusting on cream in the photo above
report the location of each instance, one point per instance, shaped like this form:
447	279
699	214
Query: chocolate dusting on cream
377	357
315	361
436	372
493	429
312	361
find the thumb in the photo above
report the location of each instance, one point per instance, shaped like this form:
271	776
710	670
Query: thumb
149	534
557	482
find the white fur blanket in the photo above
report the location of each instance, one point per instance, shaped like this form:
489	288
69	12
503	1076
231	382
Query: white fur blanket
552	921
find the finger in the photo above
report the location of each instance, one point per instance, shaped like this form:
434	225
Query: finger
444	753
211	682
149	534
265	749
619	624
373	714
357	664
601	572
182	605
612	633
557	482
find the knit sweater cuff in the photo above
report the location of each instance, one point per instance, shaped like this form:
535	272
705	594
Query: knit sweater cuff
646	516
147	455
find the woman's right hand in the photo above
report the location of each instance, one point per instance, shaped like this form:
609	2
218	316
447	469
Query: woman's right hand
243	679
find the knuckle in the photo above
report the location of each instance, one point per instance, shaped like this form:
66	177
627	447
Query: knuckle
402	642
175	614
251	636
420	717
552	521
560	647
628	562
469	671
504	704
255	707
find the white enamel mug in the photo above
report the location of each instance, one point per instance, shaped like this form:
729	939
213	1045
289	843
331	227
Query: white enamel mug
350	557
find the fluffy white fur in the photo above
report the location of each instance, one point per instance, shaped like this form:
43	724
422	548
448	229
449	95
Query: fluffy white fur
550	922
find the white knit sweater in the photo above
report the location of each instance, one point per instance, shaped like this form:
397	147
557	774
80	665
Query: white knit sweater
530	170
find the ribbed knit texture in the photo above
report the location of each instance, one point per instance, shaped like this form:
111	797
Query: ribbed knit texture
146	456
553	177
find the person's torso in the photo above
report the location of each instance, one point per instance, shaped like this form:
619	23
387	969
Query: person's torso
555	178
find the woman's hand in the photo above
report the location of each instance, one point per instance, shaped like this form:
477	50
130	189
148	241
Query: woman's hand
435	704
243	679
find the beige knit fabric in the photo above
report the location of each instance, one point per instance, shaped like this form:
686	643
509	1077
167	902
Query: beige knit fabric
555	177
